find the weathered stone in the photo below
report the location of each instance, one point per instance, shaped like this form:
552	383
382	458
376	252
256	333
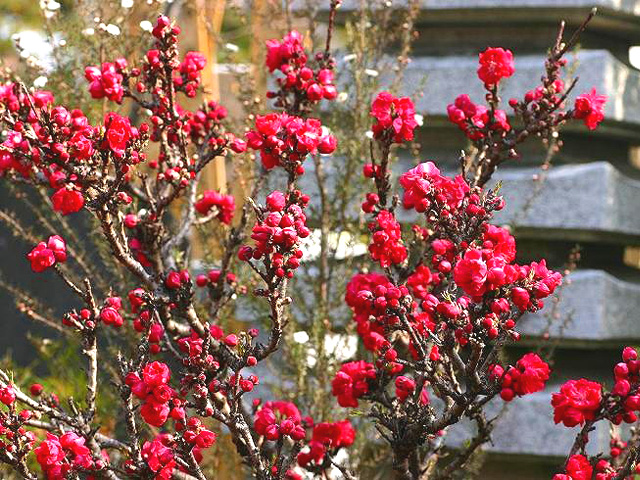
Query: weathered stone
585	202
527	428
593	306
592	201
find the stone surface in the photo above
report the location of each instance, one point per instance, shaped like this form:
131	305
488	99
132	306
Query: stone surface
597	306
594	200
584	202
437	81
527	428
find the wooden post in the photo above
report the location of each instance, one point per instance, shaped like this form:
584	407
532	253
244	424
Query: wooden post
209	16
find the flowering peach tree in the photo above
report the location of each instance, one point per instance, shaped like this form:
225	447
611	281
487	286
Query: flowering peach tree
440	301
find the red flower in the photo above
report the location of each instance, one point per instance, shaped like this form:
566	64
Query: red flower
578	468
423	185
45	255
352	382
225	205
205	438
7	395
67	200
159	459
276	201
58	455
111	316
119	133
335	435
589	108
495	64
478	272
395	116
420	281
279	53
533	373
106	81
155	373
327	436
279	418
80	146
528	376
404	387
500	241
287	140
155	413
386	242
577	402
50	456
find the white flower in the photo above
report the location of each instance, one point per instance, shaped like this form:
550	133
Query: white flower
371	72
342	97
232	47
369	134
62	43
351	56
342	347
40	82
88	31
146	25
113	29
126	3
419	119
50	5
301	337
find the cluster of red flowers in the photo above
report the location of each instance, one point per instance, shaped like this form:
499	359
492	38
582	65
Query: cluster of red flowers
276	419
159	458
529	375
224	204
285	140
160	400
110	313
459	288
204	125
473	118
288	56
386	242
578	468
581	401
58	456
424	185
277	237
576	402
195	433
352	382
395	118
106	81
46	254
496	64
212	277
326	436
190	68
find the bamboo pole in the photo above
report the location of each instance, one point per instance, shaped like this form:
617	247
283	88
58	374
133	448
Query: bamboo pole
209	16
